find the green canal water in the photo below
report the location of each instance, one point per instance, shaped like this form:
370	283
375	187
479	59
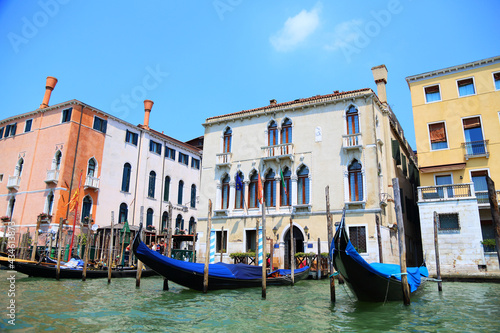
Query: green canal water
94	306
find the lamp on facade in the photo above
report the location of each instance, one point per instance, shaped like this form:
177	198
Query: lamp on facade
306	230
275	231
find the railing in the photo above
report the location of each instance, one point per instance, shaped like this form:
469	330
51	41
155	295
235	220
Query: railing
13	182
184	255
224	159
52	176
351	141
476	149
91	182
281	150
483	197
446	192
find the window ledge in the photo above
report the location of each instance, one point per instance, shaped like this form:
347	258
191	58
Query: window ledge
355	204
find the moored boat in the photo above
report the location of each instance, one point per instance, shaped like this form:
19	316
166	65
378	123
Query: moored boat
376	282
220	275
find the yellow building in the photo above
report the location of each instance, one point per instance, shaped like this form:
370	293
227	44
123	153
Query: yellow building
456	113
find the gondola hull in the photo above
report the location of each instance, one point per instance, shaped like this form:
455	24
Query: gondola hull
365	282
49	271
192	276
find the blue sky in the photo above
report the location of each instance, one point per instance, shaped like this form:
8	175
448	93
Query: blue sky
197	59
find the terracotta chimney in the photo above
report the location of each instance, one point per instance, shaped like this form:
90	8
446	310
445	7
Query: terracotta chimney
272	101
148	104
49	86
380	76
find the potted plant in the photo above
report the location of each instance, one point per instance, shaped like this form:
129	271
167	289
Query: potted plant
44	217
150	228
87	220
489	245
5	218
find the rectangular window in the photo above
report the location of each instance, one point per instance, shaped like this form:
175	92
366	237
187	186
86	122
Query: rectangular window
169	153
131	137
100	124
496	78
183	158
480	186
1	177
10	130
250	243
155	147
466	87
357	235
432	94
474	142
449	222
1	132
437	133
66	115
27	125
195	164
221	241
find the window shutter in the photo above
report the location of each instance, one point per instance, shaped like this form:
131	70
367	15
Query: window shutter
437	133
471	122
396	155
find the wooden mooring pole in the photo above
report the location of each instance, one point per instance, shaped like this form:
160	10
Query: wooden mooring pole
207	252
139	263
318	260
35	241
495	216
264	255
256	263
330	237
111	243
168	245
379	240
401	239
436	248
86	255
292	252
60	245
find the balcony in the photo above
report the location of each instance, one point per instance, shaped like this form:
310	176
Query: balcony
52	176
352	141
278	152
92	183
446	192
483	200
13	182
223	159
475	149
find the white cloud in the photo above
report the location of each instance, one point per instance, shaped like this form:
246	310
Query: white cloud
296	29
345	33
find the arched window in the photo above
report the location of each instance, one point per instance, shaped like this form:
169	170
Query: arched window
228	133
149	217
240	191
12	203
225	192
49	203
179	194
285	188
191	225
355	182
352	120
164	219
193	196
303	186
270	189
272	134
57	160
286	131
123	216
126	177
19	167
166	191
86	207
179	224
91	168
252	190
151	186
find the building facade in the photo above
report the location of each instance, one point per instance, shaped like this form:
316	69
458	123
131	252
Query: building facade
53	151
344	140
456	114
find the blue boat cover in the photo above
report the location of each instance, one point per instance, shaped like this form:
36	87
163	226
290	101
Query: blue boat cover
388	270
221	270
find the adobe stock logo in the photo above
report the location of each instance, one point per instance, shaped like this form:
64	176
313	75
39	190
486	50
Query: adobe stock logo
30	28
223	6
121	107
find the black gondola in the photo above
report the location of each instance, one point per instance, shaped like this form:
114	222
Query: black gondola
376	282
220	275
47	270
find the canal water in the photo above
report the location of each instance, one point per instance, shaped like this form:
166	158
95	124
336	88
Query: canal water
94	306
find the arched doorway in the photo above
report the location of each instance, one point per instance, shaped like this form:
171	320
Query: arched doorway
299	244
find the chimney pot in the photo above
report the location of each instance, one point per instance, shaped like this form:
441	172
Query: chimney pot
148	104
272	101
380	77
49	86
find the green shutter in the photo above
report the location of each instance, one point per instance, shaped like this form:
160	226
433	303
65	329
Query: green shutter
396	155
